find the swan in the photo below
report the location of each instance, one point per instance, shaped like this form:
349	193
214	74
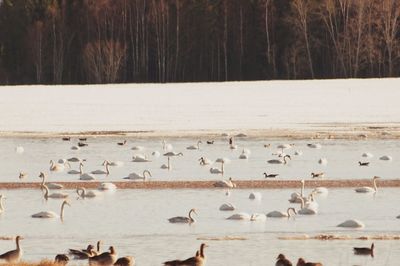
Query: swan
198	260
121	143
279	161
258	217
107	186
140	158
137	148
43	176
323	161
1	203
116	163
75	172
279	214
156	154
204	161
302	262
240	216
86	176
102	172
56	167
166	146
351	224
227	207
244	155
85	194
13	256
365	251
58	195
75	148
232	146
195	147
135	176
62	161
282	261
306	209
386	158
125	261
255	196
368	189
223	161
314	145
75	160
225	183
183	219
22	175
270	175
104	259
172	153
50	214
214	170
61	259
295	197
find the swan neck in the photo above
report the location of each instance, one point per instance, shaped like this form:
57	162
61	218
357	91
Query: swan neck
81	168
222	167
375	187
190	216
169	164
62	210
302	189
107	169
46	193
302	202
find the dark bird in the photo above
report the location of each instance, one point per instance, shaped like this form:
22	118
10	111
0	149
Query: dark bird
270	175
13	256
210	142
363	164
364	251
66	138
122	143
61	259
81	144
302	262
83	139
125	261
314	175
197	260
282	261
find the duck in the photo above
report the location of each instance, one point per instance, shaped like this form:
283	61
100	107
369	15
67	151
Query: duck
197	260
210	142
255	196
204	161
302	262
364	251
66	138
22	175
82	139
183	219
270	175
81	144
319	174
282	261
323	161
13	256
122	143
314	145
104	259
363	163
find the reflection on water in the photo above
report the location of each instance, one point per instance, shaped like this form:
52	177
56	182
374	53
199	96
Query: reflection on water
135	222
342	158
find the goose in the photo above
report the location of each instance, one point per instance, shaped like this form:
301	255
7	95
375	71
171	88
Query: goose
351	224
204	161
227	207
81	144
198	260
363	163
135	176
320	174
255	196
314	145
125	261
75	172
83	193
121	143
323	161
302	262
258	217
13	256
107	186
86	176
183	219
195	147
102	172
104	259
279	161
365	251
307	209
56	167
210	142
50	214
58	195
1	203
367	155
240	216
368	189
75	160
225	183
140	158
22	175
83	254
270	175
386	158
61	259
137	148
282	261
295	197
279	214
43	176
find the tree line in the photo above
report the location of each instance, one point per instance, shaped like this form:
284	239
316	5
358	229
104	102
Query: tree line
109	41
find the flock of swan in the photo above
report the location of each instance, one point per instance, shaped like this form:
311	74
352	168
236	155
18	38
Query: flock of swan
308	203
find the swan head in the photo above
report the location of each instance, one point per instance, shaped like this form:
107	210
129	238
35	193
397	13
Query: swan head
376	177
194	211
65	202
302	181
287	156
42	175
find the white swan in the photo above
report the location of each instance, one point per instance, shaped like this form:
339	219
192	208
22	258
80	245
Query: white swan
156	154
135	176
386	158
170	154
214	170
75	148
75	160
223	161
107	186
258	217
204	161
314	145
83	193
295	197
51	214
306	210
284	146
140	158
1	203
225	183
49	185
244	155
57	195
195	147
62	161
102	172
279	214
75	172
227	207
56	167
352	224
255	196
183	219
279	161
239	216
167	146
86	176
368	189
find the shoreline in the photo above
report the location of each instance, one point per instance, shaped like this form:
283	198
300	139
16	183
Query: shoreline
241	184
